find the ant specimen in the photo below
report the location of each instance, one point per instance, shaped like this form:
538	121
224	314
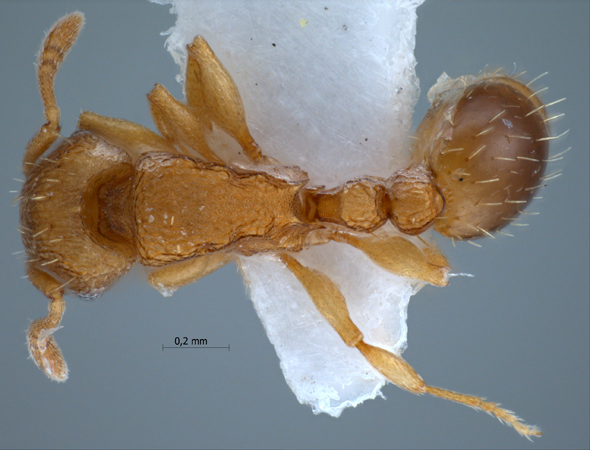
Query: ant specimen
115	193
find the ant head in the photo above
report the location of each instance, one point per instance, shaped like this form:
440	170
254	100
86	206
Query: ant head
485	142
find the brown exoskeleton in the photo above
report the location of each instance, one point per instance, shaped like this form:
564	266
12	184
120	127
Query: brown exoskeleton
114	193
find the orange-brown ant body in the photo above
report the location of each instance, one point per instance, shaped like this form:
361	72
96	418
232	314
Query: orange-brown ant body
114	194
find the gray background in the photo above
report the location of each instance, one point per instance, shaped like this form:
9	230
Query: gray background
517	332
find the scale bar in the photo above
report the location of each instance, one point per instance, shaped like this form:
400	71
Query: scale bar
188	346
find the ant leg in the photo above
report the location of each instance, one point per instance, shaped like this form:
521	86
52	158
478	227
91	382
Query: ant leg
397	370
56	45
168	279
401	257
42	346
130	136
179	124
211	90
332	306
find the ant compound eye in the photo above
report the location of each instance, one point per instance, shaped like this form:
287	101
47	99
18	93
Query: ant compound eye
485	141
